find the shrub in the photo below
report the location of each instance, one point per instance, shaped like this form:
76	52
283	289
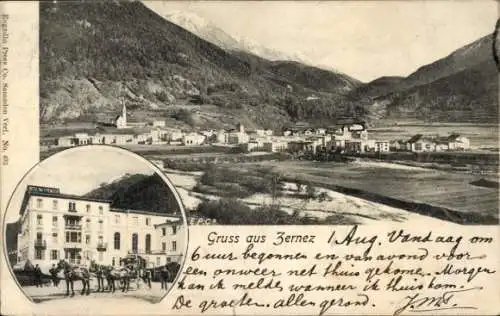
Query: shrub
184	116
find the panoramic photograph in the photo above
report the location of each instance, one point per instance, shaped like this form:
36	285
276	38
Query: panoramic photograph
113	231
319	113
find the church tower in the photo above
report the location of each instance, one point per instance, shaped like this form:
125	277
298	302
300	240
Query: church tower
124	114
121	120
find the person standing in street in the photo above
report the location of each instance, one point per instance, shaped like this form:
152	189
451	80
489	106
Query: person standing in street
38	276
164	276
53	273
147	277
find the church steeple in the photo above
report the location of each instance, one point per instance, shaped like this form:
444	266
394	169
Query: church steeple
124	112
121	120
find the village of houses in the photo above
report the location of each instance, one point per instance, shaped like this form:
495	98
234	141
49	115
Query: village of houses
350	138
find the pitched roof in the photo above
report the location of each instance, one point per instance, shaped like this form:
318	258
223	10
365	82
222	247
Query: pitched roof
453	137
415	138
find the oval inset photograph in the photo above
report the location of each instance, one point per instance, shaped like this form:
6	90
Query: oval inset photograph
95	222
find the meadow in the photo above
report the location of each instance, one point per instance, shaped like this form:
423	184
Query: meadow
448	190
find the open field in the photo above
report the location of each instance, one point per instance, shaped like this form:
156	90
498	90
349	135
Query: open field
438	188
343	208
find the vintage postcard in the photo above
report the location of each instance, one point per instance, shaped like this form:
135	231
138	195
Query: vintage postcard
249	157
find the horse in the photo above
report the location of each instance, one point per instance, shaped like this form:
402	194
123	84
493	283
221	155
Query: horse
122	274
74	273
111	275
100	275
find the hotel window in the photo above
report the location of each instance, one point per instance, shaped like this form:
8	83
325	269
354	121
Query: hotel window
101	224
87	239
174	230
100	210
174	245
117	241
135	242
117	219
135	220
54	254
163	246
87	207
74	237
39	220
54	221
54	204
163	231
39	254
54	238
418	146
157	261
148	221
148	243
100	240
39	203
72	206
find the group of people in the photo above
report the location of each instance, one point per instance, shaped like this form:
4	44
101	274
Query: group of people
146	276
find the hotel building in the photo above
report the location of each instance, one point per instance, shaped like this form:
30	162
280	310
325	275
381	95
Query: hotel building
56	226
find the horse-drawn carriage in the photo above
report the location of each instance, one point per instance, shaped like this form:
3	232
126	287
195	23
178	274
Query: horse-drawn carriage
172	268
25	274
132	270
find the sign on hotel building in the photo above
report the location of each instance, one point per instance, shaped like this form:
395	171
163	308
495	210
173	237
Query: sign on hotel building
58	226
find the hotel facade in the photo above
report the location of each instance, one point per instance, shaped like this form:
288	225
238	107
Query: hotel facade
55	226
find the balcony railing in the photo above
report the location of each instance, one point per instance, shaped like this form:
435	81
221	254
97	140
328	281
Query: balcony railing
72	244
102	246
74	261
40	244
73	226
142	251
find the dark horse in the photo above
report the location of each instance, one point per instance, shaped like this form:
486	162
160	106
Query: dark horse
100	273
74	273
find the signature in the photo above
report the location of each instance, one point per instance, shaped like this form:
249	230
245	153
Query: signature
446	301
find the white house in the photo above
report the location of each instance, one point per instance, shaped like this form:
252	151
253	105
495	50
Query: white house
457	142
237	136
192	139
320	131
58	226
381	146
82	139
176	135
275	146
66	141
419	143
159	123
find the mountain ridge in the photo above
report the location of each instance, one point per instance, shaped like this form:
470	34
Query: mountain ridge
460	87
91	56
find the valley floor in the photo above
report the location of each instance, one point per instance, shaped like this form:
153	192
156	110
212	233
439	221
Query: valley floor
347	208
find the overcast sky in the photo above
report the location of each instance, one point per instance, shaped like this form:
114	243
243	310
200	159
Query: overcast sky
363	39
78	171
